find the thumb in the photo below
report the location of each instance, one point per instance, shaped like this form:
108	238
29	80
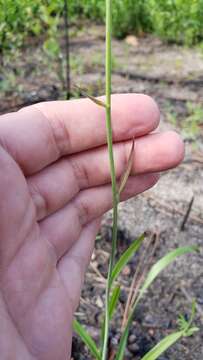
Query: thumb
16	209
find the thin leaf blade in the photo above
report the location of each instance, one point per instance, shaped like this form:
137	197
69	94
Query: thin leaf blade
127	255
163	345
112	307
122	346
114	300
184	331
87	339
162	264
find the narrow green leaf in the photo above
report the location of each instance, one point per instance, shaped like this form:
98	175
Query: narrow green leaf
128	169
112	307
168	341
192	315
127	255
182	322
87	339
114	300
163	345
153	273
92	98
191	331
185	325
122	345
162	264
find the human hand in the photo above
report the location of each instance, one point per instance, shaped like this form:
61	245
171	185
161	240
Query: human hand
54	188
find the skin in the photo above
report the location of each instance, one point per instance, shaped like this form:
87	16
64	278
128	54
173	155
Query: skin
54	189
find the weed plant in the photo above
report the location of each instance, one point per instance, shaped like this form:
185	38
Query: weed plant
101	351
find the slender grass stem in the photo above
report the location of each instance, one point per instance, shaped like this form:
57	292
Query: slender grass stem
112	169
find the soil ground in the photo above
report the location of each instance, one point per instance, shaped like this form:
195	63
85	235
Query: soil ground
173	75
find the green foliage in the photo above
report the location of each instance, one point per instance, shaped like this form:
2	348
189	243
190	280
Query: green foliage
23	19
87	339
17	18
133	13
185	327
177	20
174	20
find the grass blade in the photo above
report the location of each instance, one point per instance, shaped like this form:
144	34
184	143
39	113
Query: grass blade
112	307
122	344
163	345
162	264
128	169
152	275
114	300
127	255
87	339
168	341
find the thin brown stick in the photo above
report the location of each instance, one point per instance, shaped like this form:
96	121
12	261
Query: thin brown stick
133	284
187	214
137	282
112	355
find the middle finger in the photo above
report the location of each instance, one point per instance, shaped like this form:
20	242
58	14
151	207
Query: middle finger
56	185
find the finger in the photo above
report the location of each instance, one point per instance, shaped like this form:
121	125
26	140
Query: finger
53	187
39	135
75	262
63	228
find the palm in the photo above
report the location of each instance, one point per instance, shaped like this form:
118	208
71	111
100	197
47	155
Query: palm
54	188
33	291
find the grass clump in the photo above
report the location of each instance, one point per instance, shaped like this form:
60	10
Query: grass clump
139	288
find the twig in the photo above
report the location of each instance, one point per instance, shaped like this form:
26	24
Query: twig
186	216
156	238
113	354
141	260
144	262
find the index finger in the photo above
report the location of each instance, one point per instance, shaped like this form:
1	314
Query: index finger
38	135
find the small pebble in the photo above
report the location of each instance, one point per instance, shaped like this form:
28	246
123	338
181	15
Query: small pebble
134	348
151	332
126	271
132	338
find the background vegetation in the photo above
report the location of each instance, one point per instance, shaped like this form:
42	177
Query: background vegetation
173	20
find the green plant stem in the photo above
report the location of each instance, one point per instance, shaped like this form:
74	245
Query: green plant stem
67	49
112	169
